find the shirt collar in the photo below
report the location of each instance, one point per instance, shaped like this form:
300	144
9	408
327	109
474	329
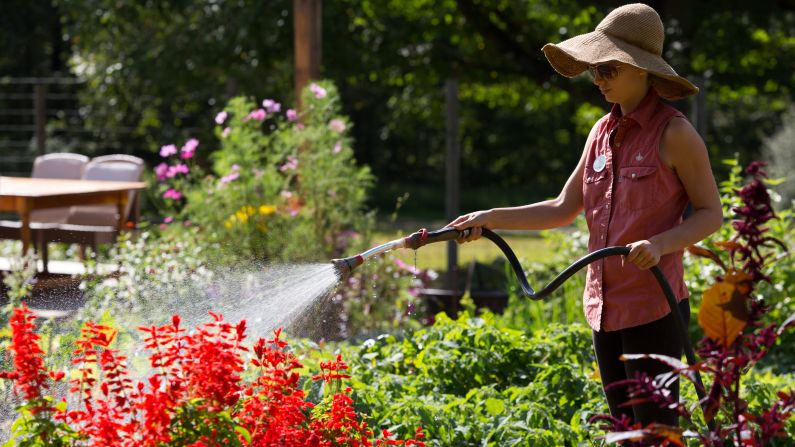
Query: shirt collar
643	113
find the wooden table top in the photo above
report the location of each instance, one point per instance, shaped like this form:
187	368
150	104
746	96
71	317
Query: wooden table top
45	187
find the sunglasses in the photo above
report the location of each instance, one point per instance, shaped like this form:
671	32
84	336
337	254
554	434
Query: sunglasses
603	71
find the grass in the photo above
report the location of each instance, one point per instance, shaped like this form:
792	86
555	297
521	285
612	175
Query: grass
528	247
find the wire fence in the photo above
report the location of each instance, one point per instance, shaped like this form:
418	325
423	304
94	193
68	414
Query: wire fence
43	115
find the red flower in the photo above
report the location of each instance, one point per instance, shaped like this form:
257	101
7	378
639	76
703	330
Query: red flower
29	375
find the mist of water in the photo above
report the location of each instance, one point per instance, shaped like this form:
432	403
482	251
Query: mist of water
267	298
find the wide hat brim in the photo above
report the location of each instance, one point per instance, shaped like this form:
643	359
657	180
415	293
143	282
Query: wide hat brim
573	56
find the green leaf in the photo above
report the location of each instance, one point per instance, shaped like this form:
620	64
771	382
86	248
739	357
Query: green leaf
495	407
244	433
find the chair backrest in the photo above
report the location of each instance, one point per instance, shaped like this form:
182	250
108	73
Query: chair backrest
60	165
120	168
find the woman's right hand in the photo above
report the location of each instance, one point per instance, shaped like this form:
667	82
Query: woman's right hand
475	220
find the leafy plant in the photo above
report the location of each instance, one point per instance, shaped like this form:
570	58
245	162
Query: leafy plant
286	186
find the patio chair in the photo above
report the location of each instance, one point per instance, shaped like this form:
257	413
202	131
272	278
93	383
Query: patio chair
60	165
93	225
57	166
120	168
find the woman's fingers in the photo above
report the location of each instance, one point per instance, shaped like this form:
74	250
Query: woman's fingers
640	255
474	233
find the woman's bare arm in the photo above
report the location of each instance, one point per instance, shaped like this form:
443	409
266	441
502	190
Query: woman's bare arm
553	213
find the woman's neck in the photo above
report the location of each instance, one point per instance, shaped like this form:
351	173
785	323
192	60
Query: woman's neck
632	103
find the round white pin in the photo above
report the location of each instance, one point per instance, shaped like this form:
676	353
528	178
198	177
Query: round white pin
599	163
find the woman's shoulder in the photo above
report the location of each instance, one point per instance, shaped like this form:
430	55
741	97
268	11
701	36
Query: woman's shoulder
679	140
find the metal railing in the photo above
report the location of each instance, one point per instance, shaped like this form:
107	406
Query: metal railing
41	115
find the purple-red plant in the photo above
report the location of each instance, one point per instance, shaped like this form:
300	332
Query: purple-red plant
735	339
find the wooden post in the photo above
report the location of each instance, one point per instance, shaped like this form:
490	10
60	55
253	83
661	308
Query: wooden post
40	118
308	43
452	168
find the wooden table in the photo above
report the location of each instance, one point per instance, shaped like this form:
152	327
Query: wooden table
23	195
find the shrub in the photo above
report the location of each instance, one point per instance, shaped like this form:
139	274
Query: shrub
284	187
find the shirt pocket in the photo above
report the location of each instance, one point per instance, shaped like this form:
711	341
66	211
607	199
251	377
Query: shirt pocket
594	188
638	188
591	176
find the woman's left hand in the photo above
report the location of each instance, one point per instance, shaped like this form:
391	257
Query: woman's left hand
645	254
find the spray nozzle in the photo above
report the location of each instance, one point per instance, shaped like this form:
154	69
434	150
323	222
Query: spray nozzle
344	266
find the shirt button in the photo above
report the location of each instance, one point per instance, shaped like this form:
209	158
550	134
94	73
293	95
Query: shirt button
607	205
602	237
633	175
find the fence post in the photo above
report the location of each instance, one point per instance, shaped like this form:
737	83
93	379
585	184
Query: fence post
452	168
40	117
308	43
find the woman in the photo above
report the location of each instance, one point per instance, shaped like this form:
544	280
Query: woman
642	163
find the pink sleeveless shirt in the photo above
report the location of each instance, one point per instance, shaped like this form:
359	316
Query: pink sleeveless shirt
629	195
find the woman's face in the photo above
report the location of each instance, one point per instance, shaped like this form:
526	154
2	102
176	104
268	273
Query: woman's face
620	83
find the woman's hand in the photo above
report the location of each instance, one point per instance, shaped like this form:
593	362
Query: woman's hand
645	254
475	221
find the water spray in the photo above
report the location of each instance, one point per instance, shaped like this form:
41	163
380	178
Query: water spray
345	266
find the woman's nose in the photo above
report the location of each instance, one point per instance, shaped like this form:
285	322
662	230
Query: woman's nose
597	80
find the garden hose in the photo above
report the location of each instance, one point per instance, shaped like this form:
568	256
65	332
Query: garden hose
345	266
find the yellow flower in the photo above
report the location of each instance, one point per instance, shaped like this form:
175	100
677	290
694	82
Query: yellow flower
267	209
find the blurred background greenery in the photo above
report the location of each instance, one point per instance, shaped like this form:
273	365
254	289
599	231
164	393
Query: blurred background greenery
161	69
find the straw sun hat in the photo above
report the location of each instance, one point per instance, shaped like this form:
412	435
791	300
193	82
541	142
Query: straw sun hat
632	34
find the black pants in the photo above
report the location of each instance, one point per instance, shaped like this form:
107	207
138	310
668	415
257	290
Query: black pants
658	337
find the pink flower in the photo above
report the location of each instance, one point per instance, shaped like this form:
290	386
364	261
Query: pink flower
292	115
337	125
168	150
271	106
171	172
160	171
257	172
226	132
181	168
168	219
258	115
286	194
300	126
229	178
234	175
172	194
189	148
319	91
337	147
220	118
290	165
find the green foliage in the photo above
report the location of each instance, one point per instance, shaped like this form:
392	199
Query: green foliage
283	189
161	68
521	121
564	305
468	383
